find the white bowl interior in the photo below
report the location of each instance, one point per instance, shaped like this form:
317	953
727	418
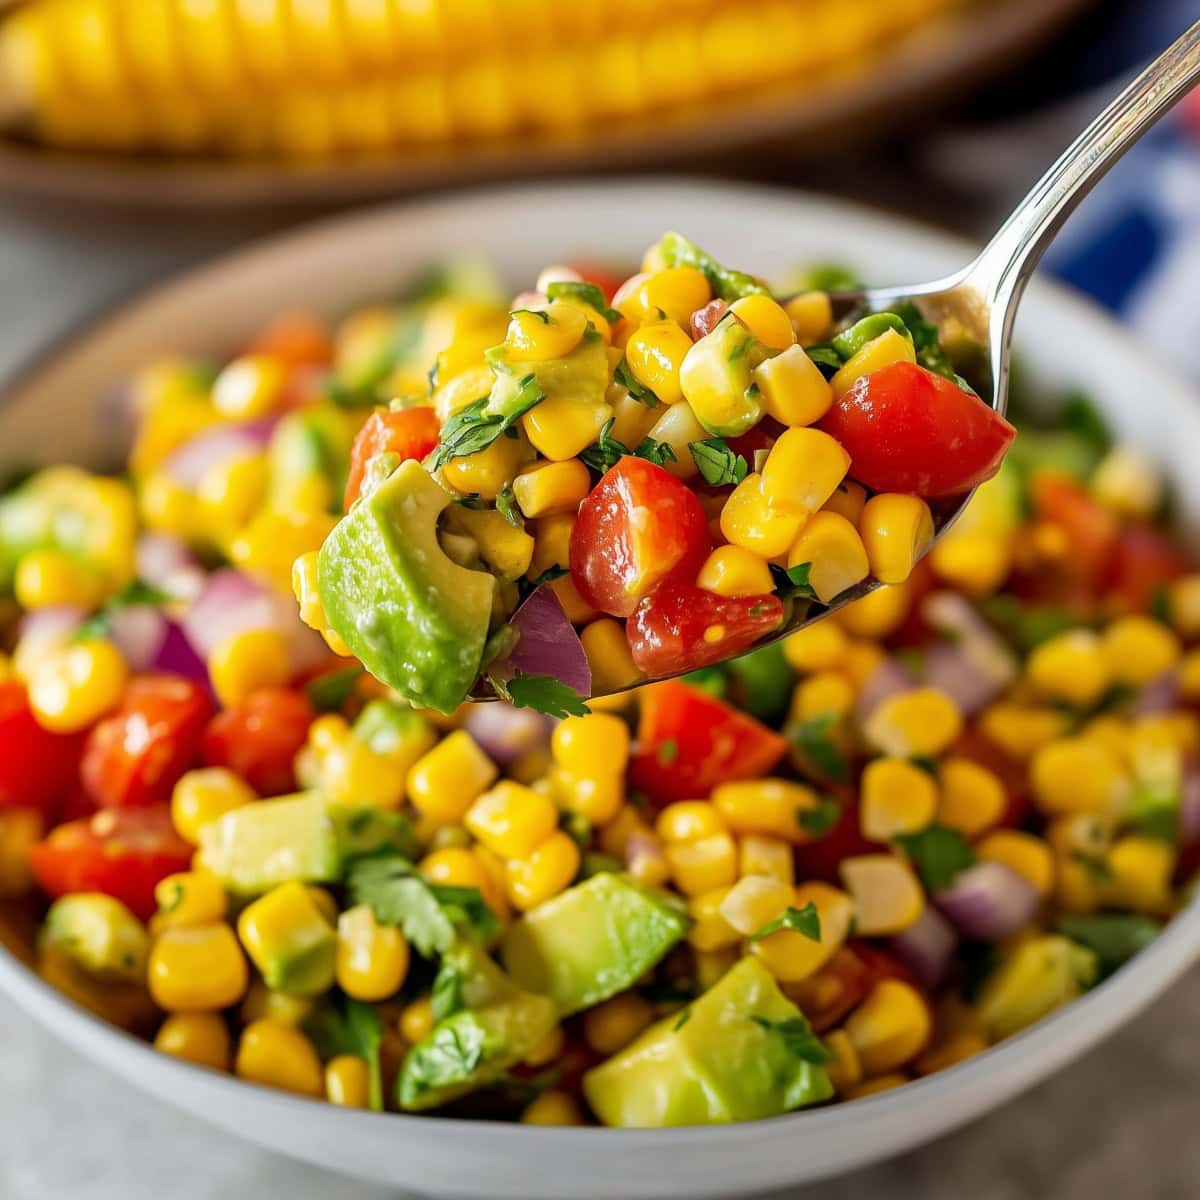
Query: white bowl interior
54	413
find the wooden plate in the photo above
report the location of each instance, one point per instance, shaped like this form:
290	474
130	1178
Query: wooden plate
949	59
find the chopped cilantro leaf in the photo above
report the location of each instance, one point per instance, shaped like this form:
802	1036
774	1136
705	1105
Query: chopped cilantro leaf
544	317
659	453
606	451
683	1018
793	581
820	820
814	739
506	505
718	464
804	920
938	853
638	390
472	429
542	693
1113	937
329	692
799	1039
826	357
584	293
348	1026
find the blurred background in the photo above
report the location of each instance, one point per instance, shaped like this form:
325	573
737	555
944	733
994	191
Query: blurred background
137	136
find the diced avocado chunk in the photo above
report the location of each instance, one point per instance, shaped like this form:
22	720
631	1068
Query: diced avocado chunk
314	441
591	941
677	251
415	619
724	1058
581	376
494	1026
1035	979
717	379
290	940
99	934
254	848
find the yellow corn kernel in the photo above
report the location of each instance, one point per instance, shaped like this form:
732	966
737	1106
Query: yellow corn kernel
975	563
271	543
551	487
1028	856
803	469
274	1054
793	389
196	969
766	319
748	520
372	959
687	820
811	314
453	866
677	427
200	1038
703	864
887	895
611	1026
820	647
709	931
20	830
1183	603
488	472
773	807
826	692
675	292
889	348
890	1027
948	1053
755	901
189	898
896	531
608	655
1128	483
614	837
506	548
732	571
511	820
861	662
1078	775
920	723
836	554
248	661
1022	730
547	1050
1155	734
50	577
444	783
633	420
308	599
249	387
552	542
1070	667
229	494
877	614
561	426
592	745
1142	867
844	1069
599	798
768	856
577	610
551	330
848	500
792	956
74	687
348	1081
972	798
1138	649
327	906
549	870
289	918
553	1108
262	1001
202	796
897	798
416	1020
655	352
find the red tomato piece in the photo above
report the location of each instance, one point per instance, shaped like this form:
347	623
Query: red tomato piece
1145	561
1091	530
123	854
134	757
1011	772
819	859
636	526
840	986
260	738
37	767
409	433
680	627
909	430
299	338
689	741
704	320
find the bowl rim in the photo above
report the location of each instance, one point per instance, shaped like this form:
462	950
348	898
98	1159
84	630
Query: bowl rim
950	1098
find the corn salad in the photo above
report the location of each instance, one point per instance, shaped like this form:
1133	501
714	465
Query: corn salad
856	857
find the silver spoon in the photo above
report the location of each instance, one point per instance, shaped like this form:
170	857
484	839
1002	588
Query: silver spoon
984	295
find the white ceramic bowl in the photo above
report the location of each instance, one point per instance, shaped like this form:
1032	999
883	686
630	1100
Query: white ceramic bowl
54	414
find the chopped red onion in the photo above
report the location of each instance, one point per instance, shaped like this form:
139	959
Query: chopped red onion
926	947
989	901
950	669
178	656
975	665
167	563
548	644
56	622
527	300
888	679
505	733
1159	696
214	447
138	630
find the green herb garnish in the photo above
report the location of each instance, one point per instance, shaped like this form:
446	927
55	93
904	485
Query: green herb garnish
583	293
938	853
718	464
542	693
804	920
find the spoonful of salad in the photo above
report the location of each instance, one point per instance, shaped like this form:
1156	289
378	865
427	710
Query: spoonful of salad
638	485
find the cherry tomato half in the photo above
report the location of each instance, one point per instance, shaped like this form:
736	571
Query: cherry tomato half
1090	530
689	741
260	738
409	433
37	767
680	627
123	854
1145	561
909	430
636	526
300	339
134	757
704	320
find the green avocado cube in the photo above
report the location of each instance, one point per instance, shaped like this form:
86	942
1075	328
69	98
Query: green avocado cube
591	941
99	934
741	1052
415	619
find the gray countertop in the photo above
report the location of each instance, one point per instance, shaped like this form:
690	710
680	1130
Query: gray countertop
1118	1123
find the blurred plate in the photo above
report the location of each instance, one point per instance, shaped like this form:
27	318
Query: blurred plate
951	57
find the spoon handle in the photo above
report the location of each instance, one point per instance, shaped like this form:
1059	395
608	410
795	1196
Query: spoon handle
1004	267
